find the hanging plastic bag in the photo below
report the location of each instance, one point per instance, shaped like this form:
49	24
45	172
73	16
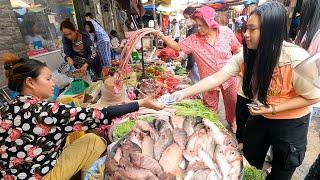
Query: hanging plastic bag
61	80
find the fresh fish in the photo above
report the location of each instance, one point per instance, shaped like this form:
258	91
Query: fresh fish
220	137
204	156
210	145
145	126
165	125
171	159
188	125
201	174
147	146
136	137
128	147
164	141
190	156
235	170
222	162
118	155
180	137
183	164
177	121
202	139
189	175
180	173
213	176
232	154
197	166
191	153
137	173
146	162
117	176
111	165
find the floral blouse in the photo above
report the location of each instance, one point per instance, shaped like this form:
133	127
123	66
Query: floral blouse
33	133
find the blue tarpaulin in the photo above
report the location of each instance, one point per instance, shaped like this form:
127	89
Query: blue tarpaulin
150	7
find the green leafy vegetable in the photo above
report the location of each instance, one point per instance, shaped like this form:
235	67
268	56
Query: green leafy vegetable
179	70
251	173
124	128
196	108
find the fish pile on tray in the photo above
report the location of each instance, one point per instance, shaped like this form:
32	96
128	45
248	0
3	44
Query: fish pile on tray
175	148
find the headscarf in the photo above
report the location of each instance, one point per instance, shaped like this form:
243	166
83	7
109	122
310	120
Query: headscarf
207	14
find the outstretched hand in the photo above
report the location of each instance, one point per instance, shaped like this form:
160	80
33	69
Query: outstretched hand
149	102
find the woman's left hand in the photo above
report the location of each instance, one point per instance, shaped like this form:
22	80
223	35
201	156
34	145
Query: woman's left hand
84	68
262	110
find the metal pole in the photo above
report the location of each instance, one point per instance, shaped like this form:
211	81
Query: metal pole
154	14
141	26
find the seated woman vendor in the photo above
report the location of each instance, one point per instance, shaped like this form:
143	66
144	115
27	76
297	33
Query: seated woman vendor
79	49
33	131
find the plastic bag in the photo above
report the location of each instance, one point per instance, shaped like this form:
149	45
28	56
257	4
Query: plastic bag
61	80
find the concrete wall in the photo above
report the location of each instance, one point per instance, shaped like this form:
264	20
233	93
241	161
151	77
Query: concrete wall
10	35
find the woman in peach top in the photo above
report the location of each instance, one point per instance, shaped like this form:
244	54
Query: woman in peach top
266	66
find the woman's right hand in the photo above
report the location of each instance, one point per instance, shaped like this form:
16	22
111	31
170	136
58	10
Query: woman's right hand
158	34
150	103
70	61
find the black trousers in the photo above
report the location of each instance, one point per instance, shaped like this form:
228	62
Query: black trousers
287	137
242	115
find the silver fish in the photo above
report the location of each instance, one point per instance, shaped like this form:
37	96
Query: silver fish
180	137
164	141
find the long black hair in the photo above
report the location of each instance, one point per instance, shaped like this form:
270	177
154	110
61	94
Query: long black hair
310	22
89	23
260	63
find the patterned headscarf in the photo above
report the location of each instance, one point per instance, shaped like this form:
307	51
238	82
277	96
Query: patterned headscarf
207	14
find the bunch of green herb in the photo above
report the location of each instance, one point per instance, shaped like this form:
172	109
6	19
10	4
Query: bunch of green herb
125	127
179	70
251	173
195	108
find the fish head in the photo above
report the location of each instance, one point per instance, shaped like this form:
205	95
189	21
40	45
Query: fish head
232	155
230	142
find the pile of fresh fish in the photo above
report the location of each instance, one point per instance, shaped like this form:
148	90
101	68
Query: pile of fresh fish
175	148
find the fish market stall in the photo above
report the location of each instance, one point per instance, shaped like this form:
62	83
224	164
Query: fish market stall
184	141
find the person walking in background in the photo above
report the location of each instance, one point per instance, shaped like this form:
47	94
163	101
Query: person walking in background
102	41
175	30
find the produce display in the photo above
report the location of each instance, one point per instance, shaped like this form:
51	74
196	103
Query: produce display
183	141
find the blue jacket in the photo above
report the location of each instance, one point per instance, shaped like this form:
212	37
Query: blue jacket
90	55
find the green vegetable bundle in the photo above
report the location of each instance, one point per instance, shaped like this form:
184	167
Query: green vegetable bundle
125	127
195	108
179	70
251	173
